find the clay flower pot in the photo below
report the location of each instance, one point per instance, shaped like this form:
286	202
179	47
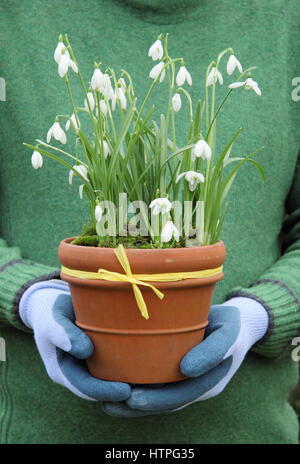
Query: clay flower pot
128	347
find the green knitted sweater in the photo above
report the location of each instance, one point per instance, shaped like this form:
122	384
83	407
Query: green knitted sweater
261	231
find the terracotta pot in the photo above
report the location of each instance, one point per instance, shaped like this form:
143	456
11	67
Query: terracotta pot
128	347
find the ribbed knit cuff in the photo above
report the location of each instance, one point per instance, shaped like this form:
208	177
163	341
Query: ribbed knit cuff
283	308
16	276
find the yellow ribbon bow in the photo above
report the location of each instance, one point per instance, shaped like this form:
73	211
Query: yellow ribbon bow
139	279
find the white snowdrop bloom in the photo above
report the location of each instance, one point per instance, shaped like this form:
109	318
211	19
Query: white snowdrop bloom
58	51
158	70
81	169
65	62
201	150
233	63
90	99
106	149
214	76
248	84
193	178
97	80
106	88
57	132
176	102
36	160
103	107
119	95
160	205
81	191
74	122
169	231
182	76
156	51
98	213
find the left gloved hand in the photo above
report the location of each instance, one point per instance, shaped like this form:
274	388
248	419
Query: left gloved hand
233	329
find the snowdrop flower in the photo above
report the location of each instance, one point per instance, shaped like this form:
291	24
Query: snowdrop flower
74	122
169	231
106	149
119	95
214	76
81	169
90	99
201	150
106	88
36	160
156	51
97	80
160	205
58	51
158	70
192	177
248	84
176	102
233	63
57	132
182	76
98	213
63	59
103	108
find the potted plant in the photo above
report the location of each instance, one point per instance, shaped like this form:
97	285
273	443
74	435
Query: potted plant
143	271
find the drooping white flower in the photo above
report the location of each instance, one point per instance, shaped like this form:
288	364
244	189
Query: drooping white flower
57	132
106	89
98	213
36	160
214	76
156	51
90	99
176	102
192	177
182	76
58	51
158	70
169	231
160	205
81	169
63	59
75	123
106	149
120	96
248	84
97	80
233	63
201	150
103	107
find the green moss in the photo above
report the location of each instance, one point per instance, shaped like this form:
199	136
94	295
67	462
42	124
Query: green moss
127	242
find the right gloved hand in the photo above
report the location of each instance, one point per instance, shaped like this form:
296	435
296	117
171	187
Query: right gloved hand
46	308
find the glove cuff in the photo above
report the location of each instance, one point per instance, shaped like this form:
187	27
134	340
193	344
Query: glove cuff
30	298
253	315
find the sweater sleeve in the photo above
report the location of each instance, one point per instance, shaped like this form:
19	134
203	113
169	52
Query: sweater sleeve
278	289
16	275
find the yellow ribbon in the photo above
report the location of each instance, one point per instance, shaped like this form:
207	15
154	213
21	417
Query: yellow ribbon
139	279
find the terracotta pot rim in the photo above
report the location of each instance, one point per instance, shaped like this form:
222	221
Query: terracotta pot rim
219	243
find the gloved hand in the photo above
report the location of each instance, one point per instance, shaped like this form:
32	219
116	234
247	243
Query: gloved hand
233	329
46	308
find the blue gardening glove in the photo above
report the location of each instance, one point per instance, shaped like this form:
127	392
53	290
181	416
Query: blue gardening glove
233	328
46	308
